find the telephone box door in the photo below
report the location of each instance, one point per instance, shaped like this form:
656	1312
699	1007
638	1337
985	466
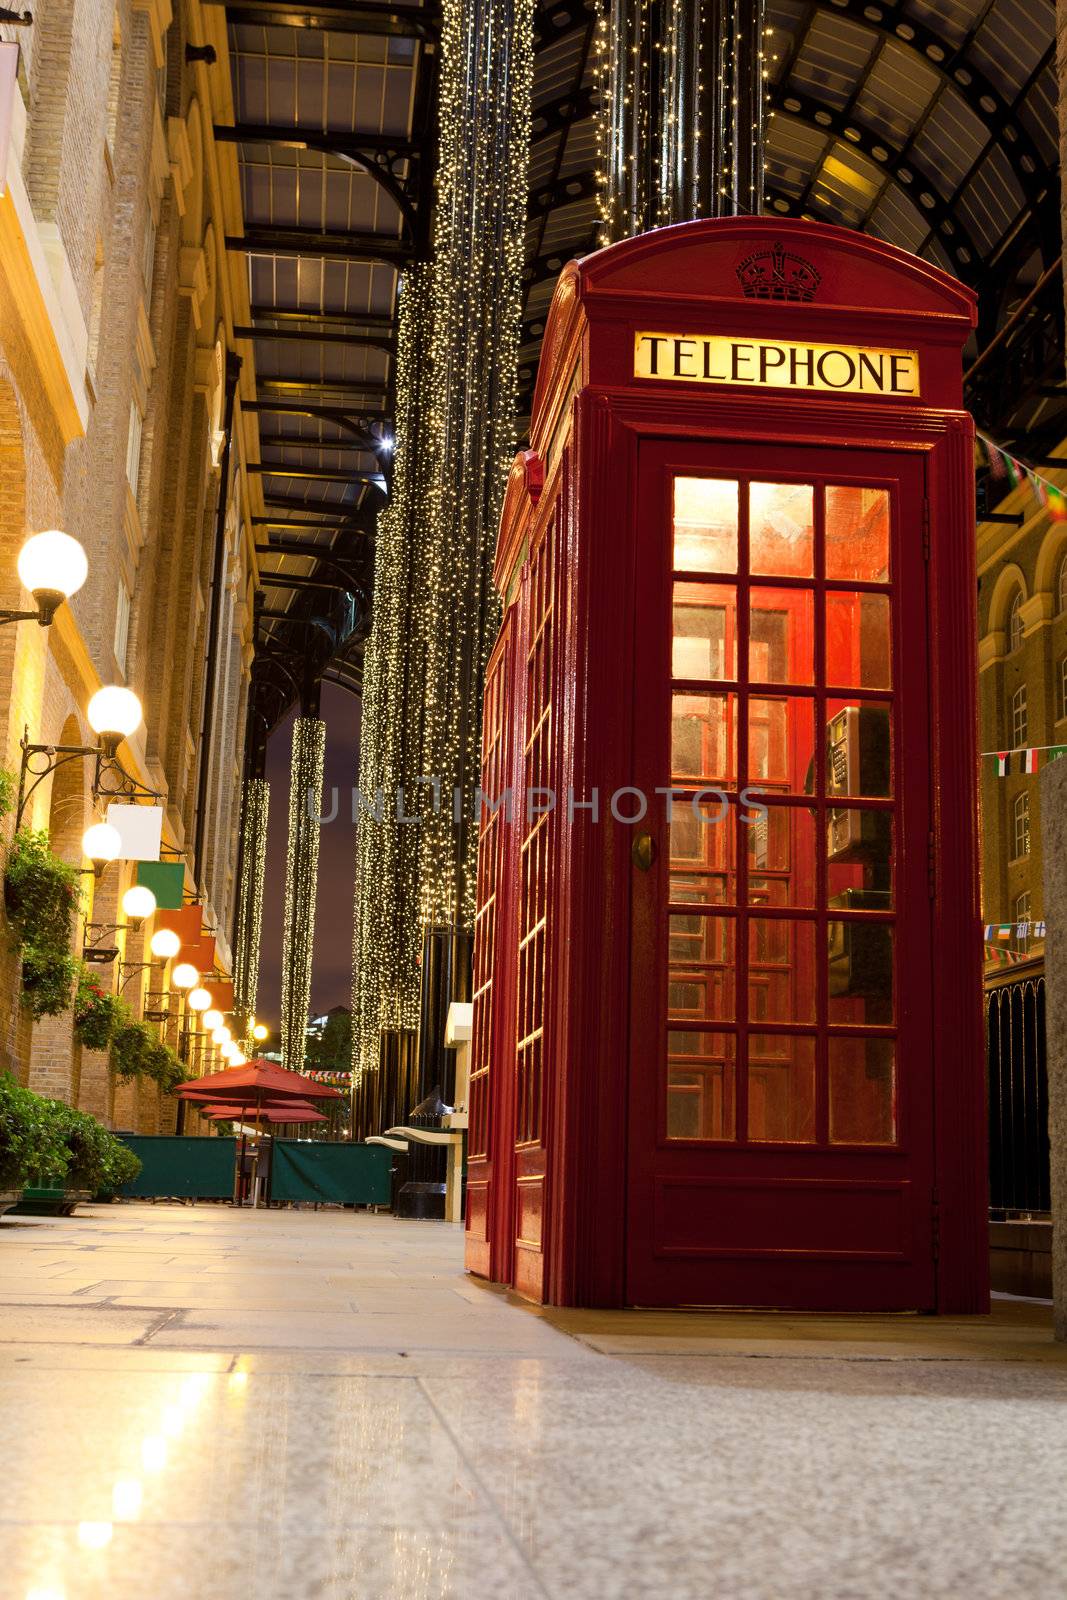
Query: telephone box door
782	1066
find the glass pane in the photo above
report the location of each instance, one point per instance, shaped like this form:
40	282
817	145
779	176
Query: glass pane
700	986
857	534
862	1091
781	743
858	749
859	853
701	1090
704	738
781	1087
781	641
781	855
703	848
860	971
781	534
858	641
705	525
781	970
704	641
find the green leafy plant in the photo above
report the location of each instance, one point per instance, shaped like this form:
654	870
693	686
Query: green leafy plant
7	791
48	978
131	1044
32	1144
120	1166
40	891
48	1144
41	895
163	1066
97	1012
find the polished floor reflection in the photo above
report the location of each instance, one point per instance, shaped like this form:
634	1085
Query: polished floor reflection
199	1403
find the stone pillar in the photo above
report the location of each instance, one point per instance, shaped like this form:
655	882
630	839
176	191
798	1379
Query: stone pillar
1054	850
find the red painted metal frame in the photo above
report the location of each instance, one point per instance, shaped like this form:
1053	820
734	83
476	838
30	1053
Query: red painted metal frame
590	416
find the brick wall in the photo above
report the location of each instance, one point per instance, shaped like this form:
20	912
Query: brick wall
97	114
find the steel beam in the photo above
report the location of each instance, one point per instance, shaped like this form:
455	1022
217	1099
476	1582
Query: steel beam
265	239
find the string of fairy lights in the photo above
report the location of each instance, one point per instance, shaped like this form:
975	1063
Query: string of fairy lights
301	878
667	149
253	851
435	611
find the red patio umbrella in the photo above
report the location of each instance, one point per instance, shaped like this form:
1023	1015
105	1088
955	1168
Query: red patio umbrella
257	1080
294	1111
248	1089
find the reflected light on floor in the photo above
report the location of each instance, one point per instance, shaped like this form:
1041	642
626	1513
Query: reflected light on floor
127	1498
238	1381
173	1421
154	1453
45	1594
94	1535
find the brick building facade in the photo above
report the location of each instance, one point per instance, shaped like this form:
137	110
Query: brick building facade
116	309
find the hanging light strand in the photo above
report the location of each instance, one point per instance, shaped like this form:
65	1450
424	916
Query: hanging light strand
301	879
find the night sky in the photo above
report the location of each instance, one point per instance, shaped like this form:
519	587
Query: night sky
331	980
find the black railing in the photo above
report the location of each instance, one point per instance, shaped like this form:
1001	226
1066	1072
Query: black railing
1018	1099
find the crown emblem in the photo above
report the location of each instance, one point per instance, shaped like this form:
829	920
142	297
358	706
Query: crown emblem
777	274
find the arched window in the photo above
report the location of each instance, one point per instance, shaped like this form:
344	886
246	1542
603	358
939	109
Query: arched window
1015	621
1061	587
1019	728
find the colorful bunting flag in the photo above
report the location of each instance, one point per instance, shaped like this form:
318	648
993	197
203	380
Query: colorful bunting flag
1002	763
1003	464
1029	760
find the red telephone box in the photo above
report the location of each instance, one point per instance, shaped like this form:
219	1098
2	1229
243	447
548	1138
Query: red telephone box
727	1023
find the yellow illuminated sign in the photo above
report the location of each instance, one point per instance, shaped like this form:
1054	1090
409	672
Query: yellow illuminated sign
776	364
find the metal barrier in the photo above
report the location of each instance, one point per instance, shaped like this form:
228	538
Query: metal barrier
339	1173
187	1169
1018	1099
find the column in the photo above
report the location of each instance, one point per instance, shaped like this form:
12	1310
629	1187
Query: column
302	865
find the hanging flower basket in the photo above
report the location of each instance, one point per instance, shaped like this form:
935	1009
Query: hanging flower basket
97	1013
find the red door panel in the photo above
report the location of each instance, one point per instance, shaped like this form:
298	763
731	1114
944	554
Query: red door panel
780	1116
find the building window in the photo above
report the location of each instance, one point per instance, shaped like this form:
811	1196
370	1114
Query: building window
1061	586
1022	908
122	627
1015	621
1018	718
133	446
148	253
1020	831
1061	691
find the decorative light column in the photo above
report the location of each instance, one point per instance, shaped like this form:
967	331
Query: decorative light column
252	850
682	112
435	613
305	808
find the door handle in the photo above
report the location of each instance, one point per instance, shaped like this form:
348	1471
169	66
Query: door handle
643	851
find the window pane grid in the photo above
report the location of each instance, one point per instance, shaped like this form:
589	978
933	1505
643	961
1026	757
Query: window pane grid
783	1091
534	849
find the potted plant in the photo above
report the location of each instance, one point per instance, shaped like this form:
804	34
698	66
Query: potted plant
34	1155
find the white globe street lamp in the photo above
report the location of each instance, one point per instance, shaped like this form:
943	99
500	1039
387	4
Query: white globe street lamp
212	1020
114	713
199	999
102	843
52	566
164	943
185	976
138	902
